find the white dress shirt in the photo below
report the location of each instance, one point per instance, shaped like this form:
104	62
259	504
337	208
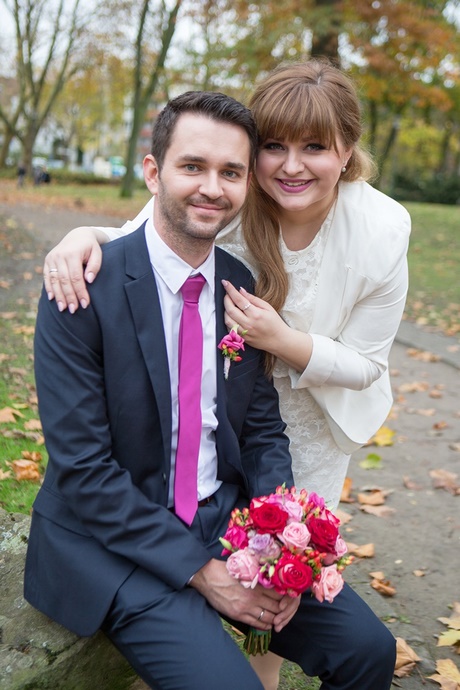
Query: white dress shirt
170	274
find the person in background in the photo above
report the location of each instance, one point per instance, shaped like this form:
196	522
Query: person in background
329	253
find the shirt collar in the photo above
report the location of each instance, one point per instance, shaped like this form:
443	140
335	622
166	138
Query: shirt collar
173	270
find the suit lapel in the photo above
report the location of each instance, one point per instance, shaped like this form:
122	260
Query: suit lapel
142	295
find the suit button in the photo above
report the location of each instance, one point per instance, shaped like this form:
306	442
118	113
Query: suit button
164	478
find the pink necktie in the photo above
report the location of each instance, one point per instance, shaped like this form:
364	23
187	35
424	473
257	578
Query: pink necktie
189	431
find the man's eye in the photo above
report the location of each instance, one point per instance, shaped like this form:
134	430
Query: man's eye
190	167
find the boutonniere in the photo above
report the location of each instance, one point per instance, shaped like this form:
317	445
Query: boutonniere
231	344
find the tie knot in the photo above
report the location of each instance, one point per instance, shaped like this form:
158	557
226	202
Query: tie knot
192	288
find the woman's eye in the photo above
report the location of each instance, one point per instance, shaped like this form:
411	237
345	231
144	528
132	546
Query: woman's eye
272	146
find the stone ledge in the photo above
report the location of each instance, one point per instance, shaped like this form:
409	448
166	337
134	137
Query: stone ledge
35	652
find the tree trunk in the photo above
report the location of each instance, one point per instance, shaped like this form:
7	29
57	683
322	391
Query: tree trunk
325	42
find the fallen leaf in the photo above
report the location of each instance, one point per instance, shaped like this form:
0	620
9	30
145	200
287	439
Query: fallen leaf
8	414
371	462
25	470
455	446
33	425
419	573
343	516
345	496
414	387
27	275
412	486
383	587
440	425
448	675
423	355
383	437
378	511
406	658
442	479
4	475
449	638
373	498
8	315
435	394
423	412
364	551
33	455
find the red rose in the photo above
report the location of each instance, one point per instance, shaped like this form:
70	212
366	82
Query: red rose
323	534
292	576
269	518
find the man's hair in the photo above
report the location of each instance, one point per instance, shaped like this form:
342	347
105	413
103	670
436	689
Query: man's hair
214	105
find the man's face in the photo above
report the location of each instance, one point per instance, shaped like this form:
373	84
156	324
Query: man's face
202	184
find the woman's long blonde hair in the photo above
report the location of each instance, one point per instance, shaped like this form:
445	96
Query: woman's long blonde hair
311	97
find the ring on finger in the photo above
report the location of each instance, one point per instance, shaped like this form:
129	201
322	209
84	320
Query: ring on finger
246	306
261	615
53	270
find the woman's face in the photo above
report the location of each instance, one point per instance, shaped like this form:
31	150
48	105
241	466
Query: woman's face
300	174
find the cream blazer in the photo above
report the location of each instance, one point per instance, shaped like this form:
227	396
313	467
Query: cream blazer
362	289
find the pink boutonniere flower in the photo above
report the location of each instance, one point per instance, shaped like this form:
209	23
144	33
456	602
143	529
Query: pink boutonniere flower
231	345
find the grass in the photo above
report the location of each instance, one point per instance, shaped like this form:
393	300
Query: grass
434	263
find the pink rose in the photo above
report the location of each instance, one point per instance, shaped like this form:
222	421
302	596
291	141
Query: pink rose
236	537
329	584
233	341
340	547
296	536
243	566
290	504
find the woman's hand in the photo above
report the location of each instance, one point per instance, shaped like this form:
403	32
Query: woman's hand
263	328
260	324
63	269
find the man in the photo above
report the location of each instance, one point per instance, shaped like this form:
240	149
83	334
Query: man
112	544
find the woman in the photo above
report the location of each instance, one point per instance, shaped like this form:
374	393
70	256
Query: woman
329	252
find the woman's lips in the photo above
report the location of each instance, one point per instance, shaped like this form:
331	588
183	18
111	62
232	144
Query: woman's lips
293	186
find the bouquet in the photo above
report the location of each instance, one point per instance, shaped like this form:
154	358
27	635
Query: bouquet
288	541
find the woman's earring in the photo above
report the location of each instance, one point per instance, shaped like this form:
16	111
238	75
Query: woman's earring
344	169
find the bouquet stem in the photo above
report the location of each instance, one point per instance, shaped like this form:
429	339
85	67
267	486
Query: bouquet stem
257	641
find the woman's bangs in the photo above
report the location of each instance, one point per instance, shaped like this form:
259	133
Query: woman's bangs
296	115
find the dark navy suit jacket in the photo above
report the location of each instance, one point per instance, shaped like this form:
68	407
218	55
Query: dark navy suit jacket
105	404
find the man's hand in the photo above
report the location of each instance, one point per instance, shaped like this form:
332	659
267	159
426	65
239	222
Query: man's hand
229	597
63	269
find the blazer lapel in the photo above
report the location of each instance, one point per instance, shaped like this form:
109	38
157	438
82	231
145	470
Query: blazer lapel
142	295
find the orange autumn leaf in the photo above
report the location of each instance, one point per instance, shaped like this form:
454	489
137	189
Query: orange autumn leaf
345	496
414	387
343	516
442	479
33	425
33	455
411	485
364	551
4	475
378	511
381	585
9	414
376	497
25	470
440	425
423	355
406	658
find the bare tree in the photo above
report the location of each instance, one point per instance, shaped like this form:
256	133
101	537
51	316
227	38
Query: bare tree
147	70
45	37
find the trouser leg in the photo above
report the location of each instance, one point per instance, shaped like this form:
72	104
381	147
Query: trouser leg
174	640
344	643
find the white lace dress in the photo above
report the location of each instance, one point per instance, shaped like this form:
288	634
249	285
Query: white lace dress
318	463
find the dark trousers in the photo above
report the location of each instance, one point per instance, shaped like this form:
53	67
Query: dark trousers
175	640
